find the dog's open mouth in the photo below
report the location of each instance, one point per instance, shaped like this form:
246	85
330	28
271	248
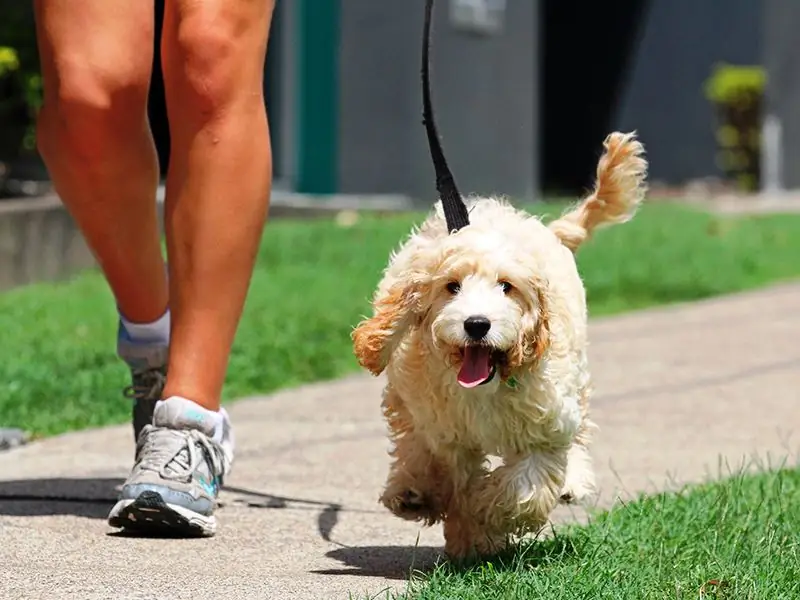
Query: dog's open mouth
479	365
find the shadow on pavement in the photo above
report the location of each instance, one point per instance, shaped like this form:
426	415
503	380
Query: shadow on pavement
89	497
93	498
327	512
387	562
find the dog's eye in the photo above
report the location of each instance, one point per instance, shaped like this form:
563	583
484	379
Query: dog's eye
506	287
453	287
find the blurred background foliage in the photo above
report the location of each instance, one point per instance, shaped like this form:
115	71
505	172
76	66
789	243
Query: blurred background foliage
20	78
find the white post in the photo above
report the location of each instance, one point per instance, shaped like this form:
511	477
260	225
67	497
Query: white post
771	155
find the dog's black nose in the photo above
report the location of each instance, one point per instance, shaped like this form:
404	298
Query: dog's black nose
477	326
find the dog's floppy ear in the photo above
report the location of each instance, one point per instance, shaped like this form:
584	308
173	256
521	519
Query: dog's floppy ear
541	334
535	339
375	339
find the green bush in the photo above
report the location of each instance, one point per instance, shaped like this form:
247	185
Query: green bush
20	53
9	61
734	84
737	93
16	118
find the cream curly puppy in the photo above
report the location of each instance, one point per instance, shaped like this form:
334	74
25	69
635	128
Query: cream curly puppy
482	333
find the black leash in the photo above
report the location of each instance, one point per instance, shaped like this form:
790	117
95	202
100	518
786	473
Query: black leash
455	211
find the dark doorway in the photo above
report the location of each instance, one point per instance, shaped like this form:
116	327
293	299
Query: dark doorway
156	104
585	56
273	76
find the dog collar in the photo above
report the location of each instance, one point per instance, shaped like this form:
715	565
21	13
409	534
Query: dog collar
512	382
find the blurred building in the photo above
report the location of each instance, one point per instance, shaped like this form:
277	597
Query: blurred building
679	42
344	96
524	90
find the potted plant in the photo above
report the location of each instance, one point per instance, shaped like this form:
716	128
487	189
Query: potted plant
736	93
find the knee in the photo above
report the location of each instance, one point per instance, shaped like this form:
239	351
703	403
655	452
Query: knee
214	60
87	110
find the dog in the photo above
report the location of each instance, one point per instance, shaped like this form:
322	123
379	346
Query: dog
481	331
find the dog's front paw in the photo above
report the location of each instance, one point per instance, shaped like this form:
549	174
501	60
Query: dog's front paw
412	505
466	540
579	481
578	489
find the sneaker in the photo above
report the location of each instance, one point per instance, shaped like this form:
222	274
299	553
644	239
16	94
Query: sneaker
182	460
148	365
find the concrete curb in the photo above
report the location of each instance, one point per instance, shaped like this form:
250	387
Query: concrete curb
39	241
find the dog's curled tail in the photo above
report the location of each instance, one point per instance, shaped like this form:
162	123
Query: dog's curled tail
619	189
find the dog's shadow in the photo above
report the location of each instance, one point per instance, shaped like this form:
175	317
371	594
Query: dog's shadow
386	562
400	562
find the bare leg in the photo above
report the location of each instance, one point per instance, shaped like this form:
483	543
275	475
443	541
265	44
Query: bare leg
213	54
94	138
219	181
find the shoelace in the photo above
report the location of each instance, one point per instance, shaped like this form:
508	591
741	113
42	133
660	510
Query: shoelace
162	449
148	385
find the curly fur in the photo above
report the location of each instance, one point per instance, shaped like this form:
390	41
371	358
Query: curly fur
534	414
619	190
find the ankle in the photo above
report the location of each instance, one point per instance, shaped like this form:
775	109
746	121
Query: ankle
192	384
177	412
153	332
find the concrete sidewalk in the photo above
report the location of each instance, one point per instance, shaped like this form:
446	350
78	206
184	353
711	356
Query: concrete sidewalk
676	390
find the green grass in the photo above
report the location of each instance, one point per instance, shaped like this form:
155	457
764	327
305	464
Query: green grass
58	370
735	539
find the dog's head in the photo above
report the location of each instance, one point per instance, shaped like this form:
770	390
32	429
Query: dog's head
479	297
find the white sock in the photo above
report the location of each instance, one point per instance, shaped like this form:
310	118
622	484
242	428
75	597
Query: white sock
178	412
157	331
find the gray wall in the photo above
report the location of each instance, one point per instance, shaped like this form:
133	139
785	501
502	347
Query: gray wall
484	98
782	60
664	99
39	241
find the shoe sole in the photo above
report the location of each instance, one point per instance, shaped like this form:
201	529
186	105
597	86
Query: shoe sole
150	515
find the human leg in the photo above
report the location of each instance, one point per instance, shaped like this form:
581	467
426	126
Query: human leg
94	137
219	182
217	194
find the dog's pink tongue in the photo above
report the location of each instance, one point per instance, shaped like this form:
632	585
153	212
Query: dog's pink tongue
476	367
